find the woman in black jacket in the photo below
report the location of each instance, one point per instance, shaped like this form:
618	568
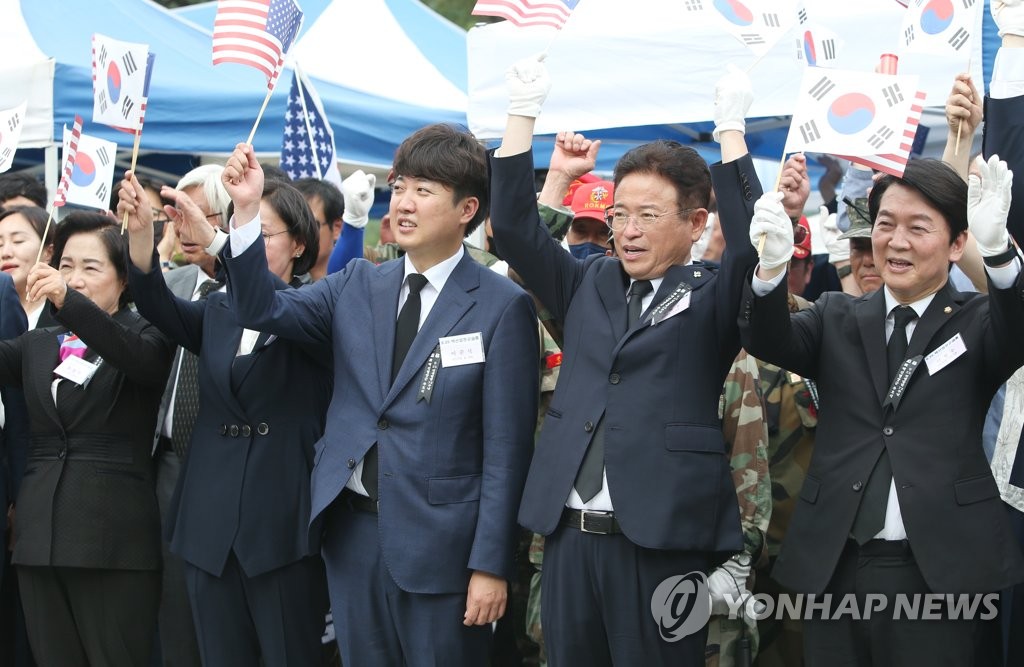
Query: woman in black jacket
87	528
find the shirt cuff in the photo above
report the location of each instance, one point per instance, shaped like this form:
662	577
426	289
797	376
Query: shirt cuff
1003	277
1007	74
244	236
219	240
763	287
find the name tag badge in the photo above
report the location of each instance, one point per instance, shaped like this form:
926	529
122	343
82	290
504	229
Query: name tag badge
77	370
674	303
945	354
462	350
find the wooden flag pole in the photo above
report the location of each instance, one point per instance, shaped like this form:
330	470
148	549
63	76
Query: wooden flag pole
266	101
46	229
135	159
960	121
778	179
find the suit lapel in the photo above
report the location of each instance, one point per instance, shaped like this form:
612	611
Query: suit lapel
48	351
694	275
384	308
225	349
452	304
943	307
870	315
611	283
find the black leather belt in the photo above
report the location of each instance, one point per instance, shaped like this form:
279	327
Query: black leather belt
899	548
357	502
599	523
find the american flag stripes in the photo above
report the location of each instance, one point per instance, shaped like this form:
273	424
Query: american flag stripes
69	163
525	13
256	33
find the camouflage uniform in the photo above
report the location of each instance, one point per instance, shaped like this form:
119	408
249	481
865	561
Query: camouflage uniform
792	417
741	410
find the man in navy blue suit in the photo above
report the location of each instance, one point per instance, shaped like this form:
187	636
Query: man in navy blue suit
630	482
430	428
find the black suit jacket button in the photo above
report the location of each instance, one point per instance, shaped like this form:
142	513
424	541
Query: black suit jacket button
887	430
857	486
588	427
233	430
262	428
246	430
351	463
614	378
223	429
382	423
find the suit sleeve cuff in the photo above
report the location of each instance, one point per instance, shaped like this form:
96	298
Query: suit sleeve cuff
218	243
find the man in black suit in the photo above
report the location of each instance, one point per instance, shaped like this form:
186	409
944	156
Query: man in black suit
630	482
899	499
14	424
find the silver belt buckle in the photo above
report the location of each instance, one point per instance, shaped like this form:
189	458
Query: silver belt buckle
583	521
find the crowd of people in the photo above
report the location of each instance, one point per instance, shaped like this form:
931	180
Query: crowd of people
621	433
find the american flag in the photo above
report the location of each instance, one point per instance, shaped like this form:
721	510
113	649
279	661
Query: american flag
896	163
256	33
69	163
307	147
144	101
523	13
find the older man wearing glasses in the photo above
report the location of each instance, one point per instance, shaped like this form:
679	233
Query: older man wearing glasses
630	480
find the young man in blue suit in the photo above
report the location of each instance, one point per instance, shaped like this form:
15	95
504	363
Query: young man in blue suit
430	429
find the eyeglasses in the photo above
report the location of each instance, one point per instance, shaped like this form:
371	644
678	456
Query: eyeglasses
213	215
159	215
266	236
617	220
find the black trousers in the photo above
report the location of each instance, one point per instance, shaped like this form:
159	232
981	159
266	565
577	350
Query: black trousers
596	602
80	617
275	619
882	640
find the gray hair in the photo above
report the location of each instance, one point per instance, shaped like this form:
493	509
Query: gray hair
208	177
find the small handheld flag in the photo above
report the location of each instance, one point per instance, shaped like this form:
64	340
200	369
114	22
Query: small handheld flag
257	33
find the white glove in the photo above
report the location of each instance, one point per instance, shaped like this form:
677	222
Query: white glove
700	246
838	250
528	84
771	219
988	205
727	583
358	192
1009	16
733	97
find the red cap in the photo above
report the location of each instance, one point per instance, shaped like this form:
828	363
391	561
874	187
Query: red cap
803	248
588	177
593	199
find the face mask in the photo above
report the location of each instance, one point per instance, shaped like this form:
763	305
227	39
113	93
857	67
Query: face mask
584	250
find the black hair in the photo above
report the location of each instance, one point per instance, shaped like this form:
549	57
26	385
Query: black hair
20	184
294	211
36	218
109	233
328	193
938	183
451	156
680	165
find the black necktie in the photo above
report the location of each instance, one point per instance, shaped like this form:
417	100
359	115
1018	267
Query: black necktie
590	477
870	517
406	326
186	393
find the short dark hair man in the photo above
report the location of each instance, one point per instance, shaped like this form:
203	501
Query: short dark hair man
429	434
899	499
